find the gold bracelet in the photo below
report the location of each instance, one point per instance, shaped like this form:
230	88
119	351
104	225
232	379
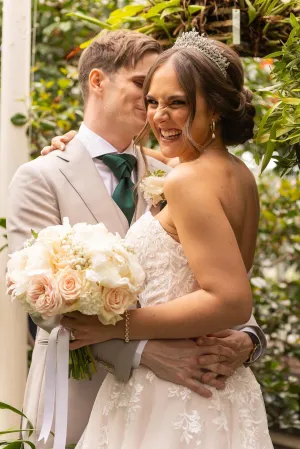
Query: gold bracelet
127	316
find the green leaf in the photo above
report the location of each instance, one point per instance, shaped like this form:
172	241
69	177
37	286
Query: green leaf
295	101
47	125
15	445
252	13
294	21
63	83
274	55
266	117
3	223
19	444
127	11
195	8
81	16
19	119
34	234
29	444
4	406
172	10
86	44
5	432
155	10
270	148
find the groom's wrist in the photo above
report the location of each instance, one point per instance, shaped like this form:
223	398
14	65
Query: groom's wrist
256	348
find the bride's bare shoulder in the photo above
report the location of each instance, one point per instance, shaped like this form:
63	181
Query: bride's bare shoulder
186	178
214	172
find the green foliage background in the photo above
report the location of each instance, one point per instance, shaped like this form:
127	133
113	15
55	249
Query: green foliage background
57	108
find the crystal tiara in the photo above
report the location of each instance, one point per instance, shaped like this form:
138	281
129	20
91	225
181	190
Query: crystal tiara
192	39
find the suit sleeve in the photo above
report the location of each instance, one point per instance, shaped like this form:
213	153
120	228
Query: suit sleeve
253	327
31	205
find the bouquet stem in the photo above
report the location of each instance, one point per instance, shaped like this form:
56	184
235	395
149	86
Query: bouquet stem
81	364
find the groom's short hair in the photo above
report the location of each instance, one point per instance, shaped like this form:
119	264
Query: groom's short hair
112	50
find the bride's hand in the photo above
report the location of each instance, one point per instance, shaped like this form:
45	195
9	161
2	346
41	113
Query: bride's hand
59	142
88	330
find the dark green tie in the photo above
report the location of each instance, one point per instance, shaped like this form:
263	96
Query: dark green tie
124	194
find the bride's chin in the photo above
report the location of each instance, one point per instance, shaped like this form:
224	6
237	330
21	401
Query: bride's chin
170	151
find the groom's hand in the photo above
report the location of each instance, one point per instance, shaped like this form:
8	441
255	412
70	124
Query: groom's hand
59	142
179	361
241	345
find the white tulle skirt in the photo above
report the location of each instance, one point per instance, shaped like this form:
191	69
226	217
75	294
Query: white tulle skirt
150	413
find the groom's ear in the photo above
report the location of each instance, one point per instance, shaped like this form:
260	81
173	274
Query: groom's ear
96	79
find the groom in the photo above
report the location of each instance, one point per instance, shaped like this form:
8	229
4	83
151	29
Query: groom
79	184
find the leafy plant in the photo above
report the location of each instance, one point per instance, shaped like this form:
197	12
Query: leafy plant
276	289
20	443
56	105
3	225
263	25
281	124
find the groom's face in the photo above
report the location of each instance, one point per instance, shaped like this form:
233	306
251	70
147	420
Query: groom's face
123	103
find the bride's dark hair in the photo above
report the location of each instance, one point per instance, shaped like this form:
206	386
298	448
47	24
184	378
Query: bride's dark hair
226	96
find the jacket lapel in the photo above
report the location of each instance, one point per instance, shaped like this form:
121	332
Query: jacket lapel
141	203
81	173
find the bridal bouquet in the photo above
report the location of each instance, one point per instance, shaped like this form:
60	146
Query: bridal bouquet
83	268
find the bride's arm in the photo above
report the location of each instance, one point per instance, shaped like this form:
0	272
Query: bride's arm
156	154
224	299
60	142
209	243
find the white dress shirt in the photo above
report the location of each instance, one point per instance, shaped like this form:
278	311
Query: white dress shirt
97	146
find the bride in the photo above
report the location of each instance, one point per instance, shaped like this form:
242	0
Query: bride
196	254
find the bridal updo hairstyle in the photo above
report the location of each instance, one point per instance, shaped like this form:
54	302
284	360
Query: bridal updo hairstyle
227	96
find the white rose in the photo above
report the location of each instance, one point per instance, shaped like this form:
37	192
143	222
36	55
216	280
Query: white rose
116	267
131	272
53	234
153	188
17	276
94	238
39	259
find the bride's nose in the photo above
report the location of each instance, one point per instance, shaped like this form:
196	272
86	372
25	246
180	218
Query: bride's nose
161	114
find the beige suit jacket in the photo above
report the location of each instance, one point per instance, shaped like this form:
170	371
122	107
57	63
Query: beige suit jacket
41	193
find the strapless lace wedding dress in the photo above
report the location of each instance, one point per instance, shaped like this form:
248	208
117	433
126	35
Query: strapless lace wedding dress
150	413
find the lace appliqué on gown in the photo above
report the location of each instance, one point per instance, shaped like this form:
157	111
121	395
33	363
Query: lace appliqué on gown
148	412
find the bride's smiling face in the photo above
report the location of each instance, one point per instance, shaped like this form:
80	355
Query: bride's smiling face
168	113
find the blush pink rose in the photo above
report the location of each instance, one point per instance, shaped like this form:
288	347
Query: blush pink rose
69	286
43	296
114	303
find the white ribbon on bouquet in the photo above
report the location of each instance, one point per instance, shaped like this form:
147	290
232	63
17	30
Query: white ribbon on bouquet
56	387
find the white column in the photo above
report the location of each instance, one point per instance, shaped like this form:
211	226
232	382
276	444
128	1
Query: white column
14	150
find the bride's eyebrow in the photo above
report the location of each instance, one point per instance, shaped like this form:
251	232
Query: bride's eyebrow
170	98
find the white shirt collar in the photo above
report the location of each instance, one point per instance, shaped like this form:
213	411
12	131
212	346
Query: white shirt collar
96	145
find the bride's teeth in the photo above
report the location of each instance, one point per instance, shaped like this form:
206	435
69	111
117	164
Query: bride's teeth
171	133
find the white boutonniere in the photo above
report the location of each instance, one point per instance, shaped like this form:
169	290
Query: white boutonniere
152	186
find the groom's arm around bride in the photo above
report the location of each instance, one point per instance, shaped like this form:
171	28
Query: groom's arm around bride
72	184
